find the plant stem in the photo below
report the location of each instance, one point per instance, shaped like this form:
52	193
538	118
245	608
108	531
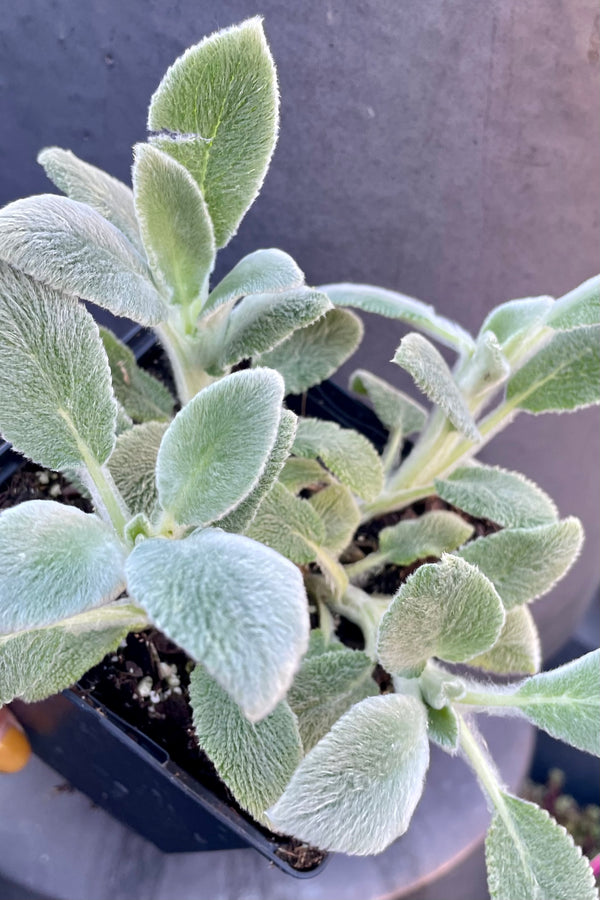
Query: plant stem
182	352
365	565
392	449
387	502
105	495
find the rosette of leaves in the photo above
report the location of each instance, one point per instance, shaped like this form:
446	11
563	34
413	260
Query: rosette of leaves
148	253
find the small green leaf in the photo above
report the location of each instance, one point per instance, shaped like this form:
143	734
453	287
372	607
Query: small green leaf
447	609
262	272
529	856
562	376
217	447
143	397
439	687
289	525
339	513
516	317
318	644
57	402
566	702
393	408
261	321
398	306
133	463
299	473
489	492
313	353
578	308
242	515
431	374
442	728
176	227
430	535
85	183
69	246
326	686
232	604
255	760
35	664
525	563
517	649
345	452
219	107
486	370
350	793
55	561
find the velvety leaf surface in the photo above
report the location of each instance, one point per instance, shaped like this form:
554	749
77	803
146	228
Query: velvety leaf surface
38	663
299	473
525	563
339	513
442	728
218	445
392	407
447	609
345	452
431	534
55	561
176	228
517	649
289	525
85	183
489	492
350	794
254	759
488	368
313	353
133	466
578	308
516	316
262	272
57	404
219	108
71	247
532	857
143	397
431	374
232	604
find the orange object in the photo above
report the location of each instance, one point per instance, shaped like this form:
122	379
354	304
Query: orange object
14	746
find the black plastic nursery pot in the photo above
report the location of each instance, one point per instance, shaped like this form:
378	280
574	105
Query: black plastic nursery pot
123	770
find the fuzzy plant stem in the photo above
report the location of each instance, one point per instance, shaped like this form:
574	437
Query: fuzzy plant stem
189	377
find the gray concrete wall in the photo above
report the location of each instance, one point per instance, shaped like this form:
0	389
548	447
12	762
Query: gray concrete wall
447	149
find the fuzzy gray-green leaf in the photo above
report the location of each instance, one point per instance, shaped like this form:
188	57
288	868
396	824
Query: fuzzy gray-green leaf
339	513
517	649
299	473
35	664
532	857
71	247
345	452
262	272
219	106
216	448
57	401
431	374
562	376
447	609
395	409
525	563
133	464
350	793
255	760
432	534
516	316
315	352
261	321
143	397
443	728
242	515
578	308
326	686
489	492
176	228
55	561
85	183
289	525
232	604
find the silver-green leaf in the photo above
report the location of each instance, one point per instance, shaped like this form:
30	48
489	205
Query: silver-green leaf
395	409
350	793
525	563
443	728
289	525
255	760
218	107
58	407
517	649
578	308
447	609
516	317
218	445
71	247
489	492
262	272
432	534
339	513
55	561
299	473
143	397
176	228
133	463
431	374
232	604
